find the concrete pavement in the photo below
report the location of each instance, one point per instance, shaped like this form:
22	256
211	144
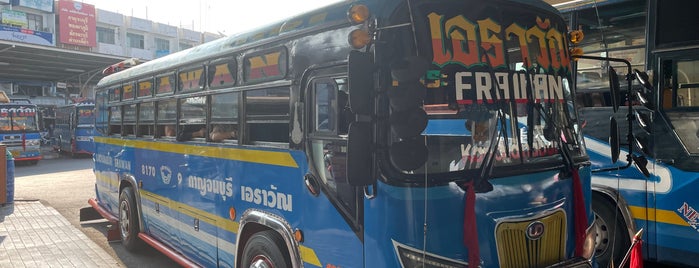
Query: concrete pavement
35	235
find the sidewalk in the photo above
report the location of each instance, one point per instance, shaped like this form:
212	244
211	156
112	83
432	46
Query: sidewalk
38	236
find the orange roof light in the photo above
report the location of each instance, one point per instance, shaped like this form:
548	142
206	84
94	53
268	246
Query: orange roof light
576	36
358	14
359	38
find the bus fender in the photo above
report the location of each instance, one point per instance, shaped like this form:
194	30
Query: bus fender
621	205
254	220
130	180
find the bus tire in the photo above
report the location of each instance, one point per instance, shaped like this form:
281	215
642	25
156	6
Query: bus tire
612	234
128	220
264	249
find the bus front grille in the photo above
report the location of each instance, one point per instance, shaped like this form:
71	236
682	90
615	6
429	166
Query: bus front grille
538	242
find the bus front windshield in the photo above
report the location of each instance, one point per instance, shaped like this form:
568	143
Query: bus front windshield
86	116
18	119
499	88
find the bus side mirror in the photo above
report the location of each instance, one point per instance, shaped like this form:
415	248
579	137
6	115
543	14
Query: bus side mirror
642	78
359	160
360	68
644	120
360	82
614	139
614	87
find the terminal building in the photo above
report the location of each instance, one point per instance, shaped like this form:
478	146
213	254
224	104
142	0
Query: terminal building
53	52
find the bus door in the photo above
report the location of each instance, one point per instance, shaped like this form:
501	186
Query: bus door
676	163
337	210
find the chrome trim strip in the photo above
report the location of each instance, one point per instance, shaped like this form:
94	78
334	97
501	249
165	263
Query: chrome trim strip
137	194
621	205
275	223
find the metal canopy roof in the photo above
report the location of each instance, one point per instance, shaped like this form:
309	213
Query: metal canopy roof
27	62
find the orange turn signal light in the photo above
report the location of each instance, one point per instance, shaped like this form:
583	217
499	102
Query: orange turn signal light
576	36
231	213
359	38
298	235
358	14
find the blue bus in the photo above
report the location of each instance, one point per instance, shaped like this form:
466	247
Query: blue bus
384	133
661	129
19	130
74	128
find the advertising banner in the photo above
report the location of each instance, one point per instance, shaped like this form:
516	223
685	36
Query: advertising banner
45	5
77	23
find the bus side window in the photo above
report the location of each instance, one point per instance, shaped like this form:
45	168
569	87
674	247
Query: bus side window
267	115
192	118
115	120
167	116
129	120
224	117
146	118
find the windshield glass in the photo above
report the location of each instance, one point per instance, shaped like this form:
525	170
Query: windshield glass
18	118
86	116
500	74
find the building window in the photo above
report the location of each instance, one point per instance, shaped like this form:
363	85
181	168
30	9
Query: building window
135	40
105	35
184	46
162	44
35	22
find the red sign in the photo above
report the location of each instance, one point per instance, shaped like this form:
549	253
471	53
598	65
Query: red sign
77	23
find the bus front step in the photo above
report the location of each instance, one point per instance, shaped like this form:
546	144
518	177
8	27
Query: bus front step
96	212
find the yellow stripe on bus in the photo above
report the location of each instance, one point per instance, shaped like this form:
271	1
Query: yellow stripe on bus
657	215
308	255
246	155
210	218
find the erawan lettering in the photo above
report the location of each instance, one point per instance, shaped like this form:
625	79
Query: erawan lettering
472	156
104	159
267	198
216	187
123	164
478	87
458	40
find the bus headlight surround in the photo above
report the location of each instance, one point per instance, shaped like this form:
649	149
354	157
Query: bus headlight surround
359	38
589	242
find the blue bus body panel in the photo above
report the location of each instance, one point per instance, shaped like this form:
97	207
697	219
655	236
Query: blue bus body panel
181	190
84	140
403	214
671	226
20	152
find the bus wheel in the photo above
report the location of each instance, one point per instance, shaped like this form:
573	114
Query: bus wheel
263	250
612	234
128	220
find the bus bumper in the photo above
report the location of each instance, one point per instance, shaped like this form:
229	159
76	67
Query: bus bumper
577	262
95	212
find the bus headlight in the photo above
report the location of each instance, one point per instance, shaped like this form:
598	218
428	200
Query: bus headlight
589	243
33	142
412	257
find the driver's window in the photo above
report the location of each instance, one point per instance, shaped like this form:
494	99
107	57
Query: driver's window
687	83
328	142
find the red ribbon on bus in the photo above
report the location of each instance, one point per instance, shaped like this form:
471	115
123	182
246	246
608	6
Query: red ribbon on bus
580	213
470	228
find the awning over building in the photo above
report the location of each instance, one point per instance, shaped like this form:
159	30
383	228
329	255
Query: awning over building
27	62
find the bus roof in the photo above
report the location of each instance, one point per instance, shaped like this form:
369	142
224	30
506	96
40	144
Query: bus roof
332	14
